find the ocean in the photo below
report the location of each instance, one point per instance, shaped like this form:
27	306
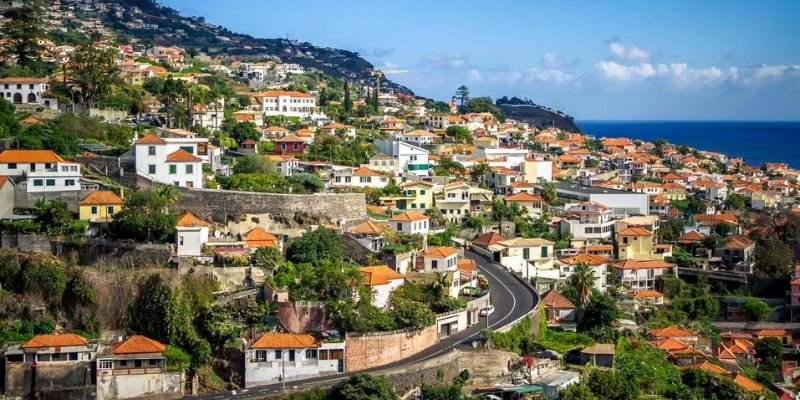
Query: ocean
755	141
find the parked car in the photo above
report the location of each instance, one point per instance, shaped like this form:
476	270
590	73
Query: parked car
486	311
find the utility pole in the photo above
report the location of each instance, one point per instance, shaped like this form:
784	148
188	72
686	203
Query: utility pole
283	373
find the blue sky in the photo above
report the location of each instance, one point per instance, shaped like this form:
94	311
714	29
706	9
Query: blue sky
594	60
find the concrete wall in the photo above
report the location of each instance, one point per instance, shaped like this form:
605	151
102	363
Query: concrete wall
301	317
149	386
374	350
50	378
23	199
230	278
289	209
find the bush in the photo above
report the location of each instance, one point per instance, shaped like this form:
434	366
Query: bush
177	359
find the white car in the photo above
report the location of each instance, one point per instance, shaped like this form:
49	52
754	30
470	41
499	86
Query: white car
486	311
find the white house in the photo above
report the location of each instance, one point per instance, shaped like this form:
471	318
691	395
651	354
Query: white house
29	91
136	368
191	233
358	178
334	128
287	103
598	265
382	280
534	171
587	222
174	160
277	357
410	222
529	256
440	259
45	170
383	163
211	116
410	159
420	137
641	275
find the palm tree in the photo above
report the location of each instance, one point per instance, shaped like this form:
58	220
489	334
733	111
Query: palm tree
479	171
582	279
439	284
549	192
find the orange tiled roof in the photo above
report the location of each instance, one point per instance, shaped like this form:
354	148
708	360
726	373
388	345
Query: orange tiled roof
151	139
671	332
644	294
738	242
188	219
101	197
635	231
488	239
522	197
771	332
364	171
465	264
669	344
258	237
285	341
29	156
409	216
276	93
379	275
55	340
691	236
12	79
584	258
182	155
708	367
553	299
138	344
747	384
636	264
438	251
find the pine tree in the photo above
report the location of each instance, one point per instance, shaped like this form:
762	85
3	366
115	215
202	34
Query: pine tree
23	29
348	103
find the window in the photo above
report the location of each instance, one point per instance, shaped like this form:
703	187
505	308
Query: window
278	355
151	150
422	192
526	253
365	179
400	227
94	210
110	210
291	355
12	165
544	251
151	169
421	205
123	363
137	364
50	182
189	168
413	205
189	149
311	354
296	146
173	169
73	356
69	182
37	182
105	364
434	264
152	362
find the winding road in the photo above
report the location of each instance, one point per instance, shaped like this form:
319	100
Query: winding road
512	300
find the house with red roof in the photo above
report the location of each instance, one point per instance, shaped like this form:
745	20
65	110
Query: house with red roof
191	234
382	281
136	368
557	308
361	177
641	275
286	103
177	158
290	144
277	357
410	222
598	265
44	170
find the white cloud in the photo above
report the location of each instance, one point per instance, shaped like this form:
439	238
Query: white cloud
443	61
629	52
391	68
474	75
551	60
623	73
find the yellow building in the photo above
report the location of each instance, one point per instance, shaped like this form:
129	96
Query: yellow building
419	195
636	243
100	206
455	201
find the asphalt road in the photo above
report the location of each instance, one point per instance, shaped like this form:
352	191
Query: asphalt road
510	297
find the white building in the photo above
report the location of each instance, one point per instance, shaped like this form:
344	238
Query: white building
587	223
211	116
440	259
191	233
420	137
286	103
383	163
277	357
30	91
528	256
535	171
410	159
177	161
621	203
382	281
45	170
641	275
358	178
410	222
598	265
136	368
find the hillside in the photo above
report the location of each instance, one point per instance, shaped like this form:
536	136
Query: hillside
538	115
147	20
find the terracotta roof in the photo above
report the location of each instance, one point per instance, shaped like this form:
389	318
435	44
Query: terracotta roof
364	171
708	367
409	216
488	239
379	275
368	227
523	242
584	258
3	180
188	219
138	344
258	237
635	231
671	332
771	332
599	247
277	93
522	197
747	384
274	128
289	139
691	236
29	156
101	197
20	79
55	340
644	294
669	344
465	264
182	155
738	242
636	264
285	341
438	251
553	299
151	139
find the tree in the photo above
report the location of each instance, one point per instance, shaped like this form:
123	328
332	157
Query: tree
770	352
267	257
459	134
549	193
412	314
484	104
601	312
245	130
95	72
582	279
314	246
611	385
9	126
23	29
363	387
755	309
253	164
347	106
306	183
156	312
774	258
479	171
462	95
576	392
147	215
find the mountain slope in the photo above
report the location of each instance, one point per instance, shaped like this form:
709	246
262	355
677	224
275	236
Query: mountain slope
194	32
